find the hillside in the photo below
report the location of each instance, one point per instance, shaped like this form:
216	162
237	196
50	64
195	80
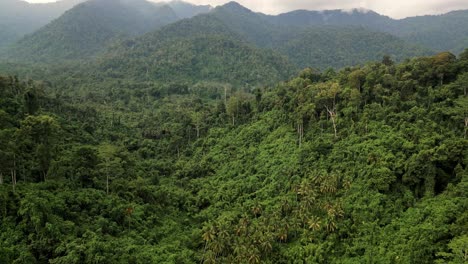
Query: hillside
365	165
135	132
18	17
429	31
342	40
193	50
333	38
241	46
440	33
89	28
329	46
354	17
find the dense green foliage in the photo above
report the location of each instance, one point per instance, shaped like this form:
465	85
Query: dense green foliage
205	57
310	45
87	31
199	49
430	31
182	145
89	28
232	44
364	165
348	45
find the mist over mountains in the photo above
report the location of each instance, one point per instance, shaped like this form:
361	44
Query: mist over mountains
139	34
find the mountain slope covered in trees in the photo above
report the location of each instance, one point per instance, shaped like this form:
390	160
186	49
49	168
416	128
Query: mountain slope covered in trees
440	33
82	32
420	35
233	44
90	27
430	31
199	49
18	17
336	47
368	164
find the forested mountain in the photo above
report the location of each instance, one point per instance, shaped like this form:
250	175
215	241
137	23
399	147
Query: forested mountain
364	165
199	49
90	27
18	17
198	58
235	45
131	135
354	17
333	38
430	31
187	10
336	47
82	32
441	32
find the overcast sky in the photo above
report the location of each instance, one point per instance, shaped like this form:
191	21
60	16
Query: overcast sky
392	8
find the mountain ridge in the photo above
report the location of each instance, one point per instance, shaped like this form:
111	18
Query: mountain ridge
89	27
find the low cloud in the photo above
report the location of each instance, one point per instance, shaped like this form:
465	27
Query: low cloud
392	8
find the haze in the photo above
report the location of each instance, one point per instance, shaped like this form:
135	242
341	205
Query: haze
392	8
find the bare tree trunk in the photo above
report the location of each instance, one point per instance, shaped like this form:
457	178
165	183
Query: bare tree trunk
13	173
1	178
300	133
466	126
13	179
225	96
107	175
332	115
107	182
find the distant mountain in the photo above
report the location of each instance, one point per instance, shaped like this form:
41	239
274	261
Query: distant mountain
188	10
88	28
229	43
18	17
233	44
201	48
318	39
253	27
438	32
353	17
336	47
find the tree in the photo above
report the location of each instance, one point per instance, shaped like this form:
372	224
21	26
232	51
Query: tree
387	60
41	133
326	96
356	79
238	106
198	119
85	162
112	163
461	111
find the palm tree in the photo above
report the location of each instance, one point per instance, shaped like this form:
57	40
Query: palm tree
209	233
209	257
253	255
314	223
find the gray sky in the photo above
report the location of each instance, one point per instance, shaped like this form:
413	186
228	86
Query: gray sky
392	8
